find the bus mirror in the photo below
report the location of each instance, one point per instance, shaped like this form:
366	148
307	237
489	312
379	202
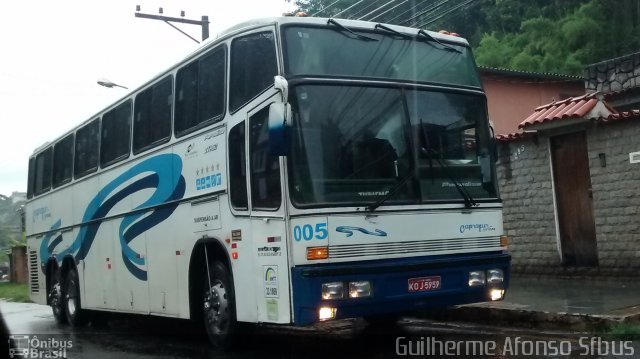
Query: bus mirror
281	84
493	142
279	113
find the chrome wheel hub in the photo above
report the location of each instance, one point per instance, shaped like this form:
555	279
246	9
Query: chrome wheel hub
216	308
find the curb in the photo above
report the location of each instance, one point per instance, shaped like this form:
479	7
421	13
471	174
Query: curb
518	317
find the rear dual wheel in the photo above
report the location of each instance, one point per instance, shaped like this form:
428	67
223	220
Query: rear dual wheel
218	302
55	298
75	315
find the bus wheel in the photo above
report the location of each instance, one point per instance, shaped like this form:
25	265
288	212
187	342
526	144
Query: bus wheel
219	306
55	298
71	299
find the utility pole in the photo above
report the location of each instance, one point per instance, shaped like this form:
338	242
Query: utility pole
204	23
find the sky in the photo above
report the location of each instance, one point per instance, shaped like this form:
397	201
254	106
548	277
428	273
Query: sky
53	53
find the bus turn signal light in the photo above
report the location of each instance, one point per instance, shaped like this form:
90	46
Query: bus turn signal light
314	253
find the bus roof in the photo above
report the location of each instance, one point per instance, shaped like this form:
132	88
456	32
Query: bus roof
247	26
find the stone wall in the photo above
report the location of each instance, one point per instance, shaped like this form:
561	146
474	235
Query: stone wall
524	173
616	196
613	75
525	186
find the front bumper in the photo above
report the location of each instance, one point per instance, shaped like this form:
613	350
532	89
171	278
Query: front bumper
389	279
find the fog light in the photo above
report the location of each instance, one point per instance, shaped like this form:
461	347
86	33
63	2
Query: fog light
476	278
360	289
496	294
326	313
333	290
495	276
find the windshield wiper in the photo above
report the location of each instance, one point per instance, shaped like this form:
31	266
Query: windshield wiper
431	38
468	200
398	33
342	27
391	191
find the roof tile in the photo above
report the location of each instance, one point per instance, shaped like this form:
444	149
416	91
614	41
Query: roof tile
573	107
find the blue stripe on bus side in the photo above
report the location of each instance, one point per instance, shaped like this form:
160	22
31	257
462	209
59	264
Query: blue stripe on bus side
166	177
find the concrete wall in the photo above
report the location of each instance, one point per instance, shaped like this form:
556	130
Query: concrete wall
512	99
525	178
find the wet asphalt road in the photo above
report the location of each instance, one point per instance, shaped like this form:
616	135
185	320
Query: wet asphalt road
152	337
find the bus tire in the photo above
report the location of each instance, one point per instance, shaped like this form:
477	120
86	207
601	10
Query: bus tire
72	306
55	298
218	303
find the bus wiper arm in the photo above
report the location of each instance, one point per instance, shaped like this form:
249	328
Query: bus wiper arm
468	200
431	38
342	27
398	33
372	207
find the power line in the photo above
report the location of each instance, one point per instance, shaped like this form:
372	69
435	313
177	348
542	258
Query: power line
348	8
377	16
432	20
326	8
376	9
412	8
411	22
364	8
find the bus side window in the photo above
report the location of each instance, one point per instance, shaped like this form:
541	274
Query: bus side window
63	161
265	167
43	171
86	152
200	91
116	134
237	168
152	115
32	167
253	66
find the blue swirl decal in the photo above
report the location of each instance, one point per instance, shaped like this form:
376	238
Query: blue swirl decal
164	175
348	230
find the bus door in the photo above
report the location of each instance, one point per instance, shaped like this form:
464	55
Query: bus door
268	227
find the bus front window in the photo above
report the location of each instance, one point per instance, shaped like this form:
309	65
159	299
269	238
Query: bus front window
352	145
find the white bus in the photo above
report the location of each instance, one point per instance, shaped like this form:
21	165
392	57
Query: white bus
290	171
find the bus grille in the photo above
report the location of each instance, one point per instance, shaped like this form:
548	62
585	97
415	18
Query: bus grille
424	247
34	283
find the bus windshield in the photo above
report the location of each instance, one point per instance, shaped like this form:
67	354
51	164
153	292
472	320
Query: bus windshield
352	145
326	51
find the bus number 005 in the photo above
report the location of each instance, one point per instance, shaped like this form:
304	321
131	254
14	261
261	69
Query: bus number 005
308	232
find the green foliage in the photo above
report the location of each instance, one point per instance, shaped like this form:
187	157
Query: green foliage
624	331
14	292
560	36
10	223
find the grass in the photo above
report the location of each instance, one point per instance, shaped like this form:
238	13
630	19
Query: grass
14	292
624	331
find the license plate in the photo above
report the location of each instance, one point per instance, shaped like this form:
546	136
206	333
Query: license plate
424	284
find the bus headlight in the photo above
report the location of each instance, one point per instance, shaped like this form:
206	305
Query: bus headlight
333	290
495	276
496	294
360	289
326	313
476	278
